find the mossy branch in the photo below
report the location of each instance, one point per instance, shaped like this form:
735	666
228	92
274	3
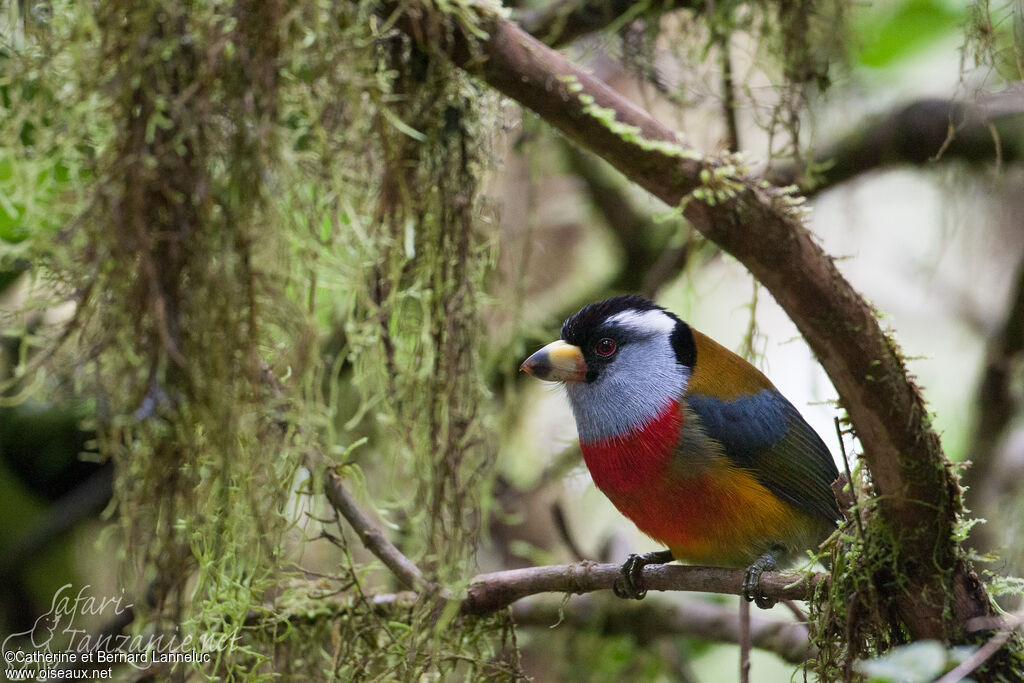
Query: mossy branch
762	226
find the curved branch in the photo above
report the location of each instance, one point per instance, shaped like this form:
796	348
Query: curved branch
919	497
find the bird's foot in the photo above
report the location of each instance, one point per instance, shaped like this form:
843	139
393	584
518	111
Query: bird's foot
631	585
752	580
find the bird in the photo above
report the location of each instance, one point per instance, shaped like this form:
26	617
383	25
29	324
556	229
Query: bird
691	442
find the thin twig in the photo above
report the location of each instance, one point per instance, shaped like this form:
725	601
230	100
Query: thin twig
375	541
404	569
562	526
923	133
854	506
744	640
798	613
729	95
979	657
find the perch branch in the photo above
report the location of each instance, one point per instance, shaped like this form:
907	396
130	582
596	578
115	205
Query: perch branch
919	498
494	591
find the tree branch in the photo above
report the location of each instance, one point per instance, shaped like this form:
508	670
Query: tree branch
996	405
919	133
918	496
644	621
979	656
992	478
658	618
562	22
497	590
647	264
375	541
83	501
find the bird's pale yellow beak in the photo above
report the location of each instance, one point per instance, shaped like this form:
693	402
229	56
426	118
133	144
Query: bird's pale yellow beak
559	361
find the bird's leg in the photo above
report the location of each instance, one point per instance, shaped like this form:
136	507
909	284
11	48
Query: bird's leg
631	585
752	579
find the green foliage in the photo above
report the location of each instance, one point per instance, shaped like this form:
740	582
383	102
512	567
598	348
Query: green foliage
591	654
888	33
418	248
846	623
352	639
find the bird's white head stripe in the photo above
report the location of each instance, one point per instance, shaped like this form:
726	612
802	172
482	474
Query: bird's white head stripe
654	321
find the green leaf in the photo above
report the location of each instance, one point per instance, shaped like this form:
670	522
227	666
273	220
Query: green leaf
894	31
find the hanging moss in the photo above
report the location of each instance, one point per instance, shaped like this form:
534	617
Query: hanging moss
240	170
421	245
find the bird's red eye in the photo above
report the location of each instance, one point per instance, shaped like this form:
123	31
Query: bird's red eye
605	347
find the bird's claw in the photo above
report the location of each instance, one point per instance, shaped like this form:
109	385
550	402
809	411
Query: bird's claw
630	586
752	581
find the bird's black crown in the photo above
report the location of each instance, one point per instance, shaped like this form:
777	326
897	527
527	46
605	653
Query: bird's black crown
580	326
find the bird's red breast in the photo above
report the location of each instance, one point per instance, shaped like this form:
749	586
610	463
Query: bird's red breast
631	461
704	509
